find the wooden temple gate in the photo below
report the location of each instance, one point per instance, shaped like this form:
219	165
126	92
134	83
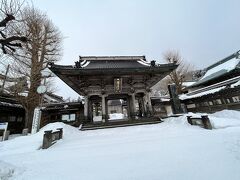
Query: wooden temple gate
106	81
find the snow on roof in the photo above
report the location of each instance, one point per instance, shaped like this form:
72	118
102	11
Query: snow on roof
165	99
211	91
49	97
222	68
10	104
188	83
7	83
233	82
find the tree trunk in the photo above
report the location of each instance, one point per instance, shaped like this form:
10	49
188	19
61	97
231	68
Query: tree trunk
26	119
29	118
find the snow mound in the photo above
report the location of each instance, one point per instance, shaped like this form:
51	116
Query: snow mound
67	129
227	114
221	119
176	120
225	118
33	142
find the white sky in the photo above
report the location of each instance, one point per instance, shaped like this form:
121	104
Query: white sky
203	31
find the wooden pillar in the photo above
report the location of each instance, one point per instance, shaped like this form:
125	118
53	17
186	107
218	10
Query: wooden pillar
149	101
148	104
86	107
104	108
141	106
129	110
133	105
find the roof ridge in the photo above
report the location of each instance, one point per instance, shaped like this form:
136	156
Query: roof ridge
92	58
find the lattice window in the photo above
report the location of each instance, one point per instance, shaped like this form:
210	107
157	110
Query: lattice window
236	99
68	117
217	101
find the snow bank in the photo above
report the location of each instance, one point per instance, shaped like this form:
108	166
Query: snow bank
33	142
227	114
170	150
221	119
225	118
68	130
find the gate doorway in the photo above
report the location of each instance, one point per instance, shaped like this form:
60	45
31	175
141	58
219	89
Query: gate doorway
117	109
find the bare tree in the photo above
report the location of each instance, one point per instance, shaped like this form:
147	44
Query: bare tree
9	11
161	88
43	47
178	75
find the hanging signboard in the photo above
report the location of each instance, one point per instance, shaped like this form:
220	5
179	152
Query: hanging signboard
118	85
36	120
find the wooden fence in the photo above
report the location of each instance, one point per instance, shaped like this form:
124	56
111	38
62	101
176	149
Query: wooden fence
202	121
50	137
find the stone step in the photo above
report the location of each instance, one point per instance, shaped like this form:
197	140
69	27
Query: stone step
95	127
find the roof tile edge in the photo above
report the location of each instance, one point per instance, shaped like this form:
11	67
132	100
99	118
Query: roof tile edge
103	58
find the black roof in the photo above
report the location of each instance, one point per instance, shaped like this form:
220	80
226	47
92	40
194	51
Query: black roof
62	105
112	64
9	101
109	64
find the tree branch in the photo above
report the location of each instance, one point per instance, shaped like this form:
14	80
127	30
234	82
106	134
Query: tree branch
9	17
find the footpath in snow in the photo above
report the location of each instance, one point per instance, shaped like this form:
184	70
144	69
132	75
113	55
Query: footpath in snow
171	150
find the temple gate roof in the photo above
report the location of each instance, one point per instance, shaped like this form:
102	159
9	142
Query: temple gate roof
97	70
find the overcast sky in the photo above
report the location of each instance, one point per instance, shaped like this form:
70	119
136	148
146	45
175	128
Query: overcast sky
203	31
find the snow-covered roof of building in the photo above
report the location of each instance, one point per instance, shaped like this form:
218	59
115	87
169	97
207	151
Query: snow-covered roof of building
52	98
6	104
9	101
220	69
163	98
200	94
188	83
62	106
108	62
233	82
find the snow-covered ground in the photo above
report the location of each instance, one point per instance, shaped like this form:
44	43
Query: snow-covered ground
172	150
116	116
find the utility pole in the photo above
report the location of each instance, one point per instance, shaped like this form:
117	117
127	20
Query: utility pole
5	78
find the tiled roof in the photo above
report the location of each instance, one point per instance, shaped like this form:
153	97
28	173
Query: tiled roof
109	64
103	58
8	101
